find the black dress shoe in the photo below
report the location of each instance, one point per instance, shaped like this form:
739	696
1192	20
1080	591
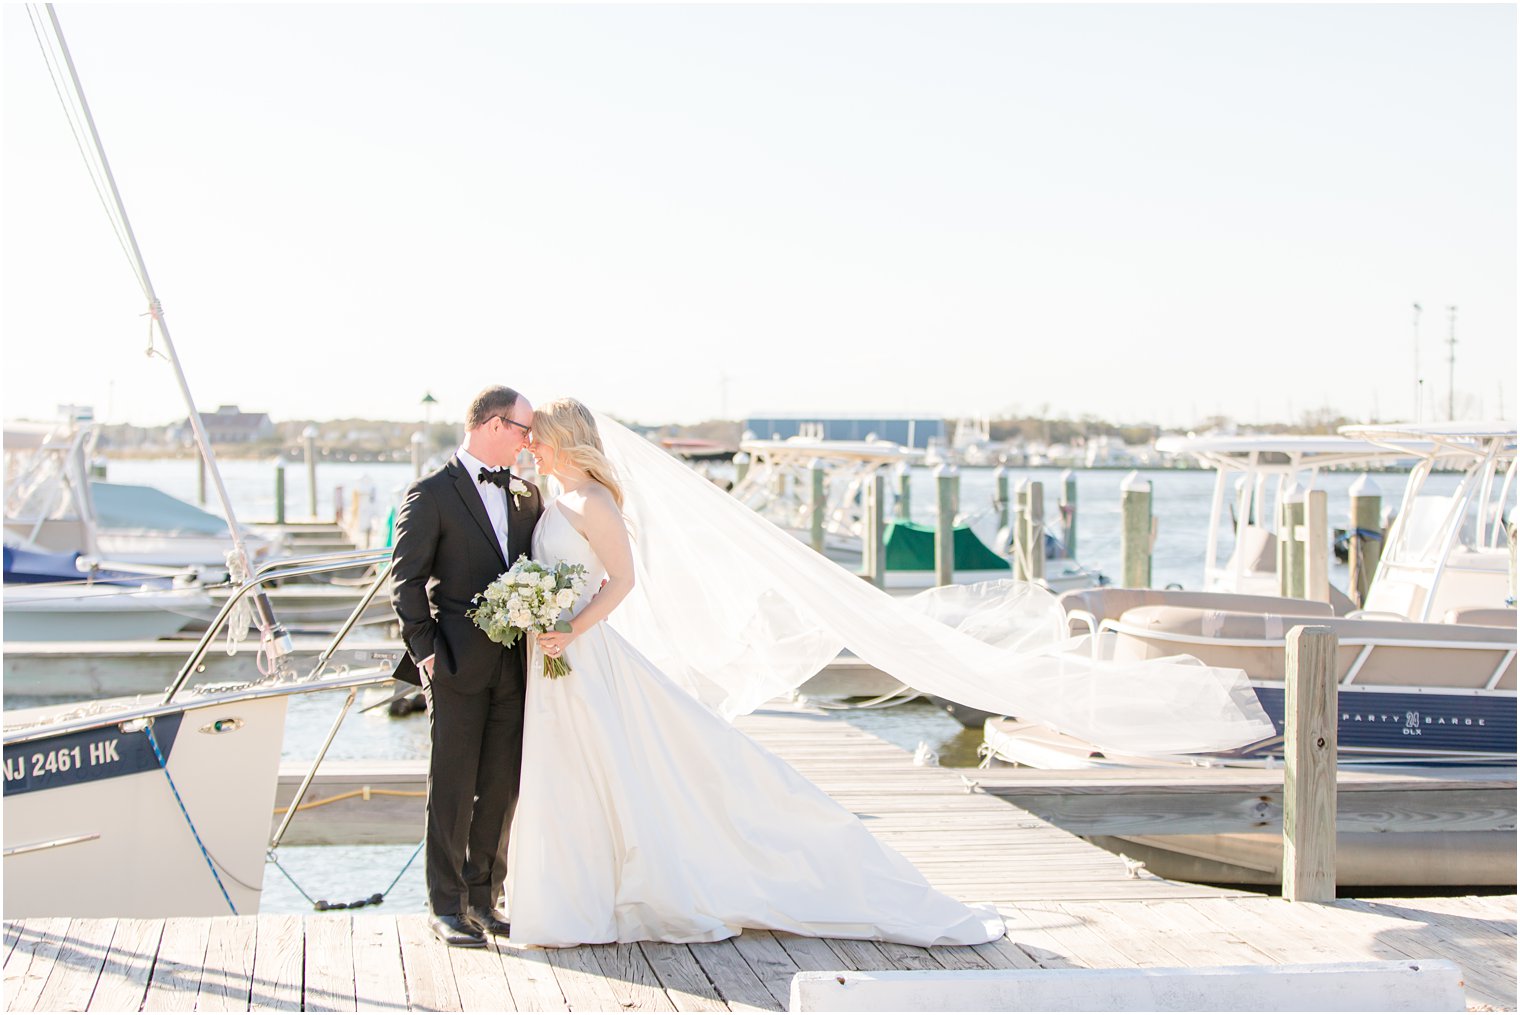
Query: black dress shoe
490	922
456	931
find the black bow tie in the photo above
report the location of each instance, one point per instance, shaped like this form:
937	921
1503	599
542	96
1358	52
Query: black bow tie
501	477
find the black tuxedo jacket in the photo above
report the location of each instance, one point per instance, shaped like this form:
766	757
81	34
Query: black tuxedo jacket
445	553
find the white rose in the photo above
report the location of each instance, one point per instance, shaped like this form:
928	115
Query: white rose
565	598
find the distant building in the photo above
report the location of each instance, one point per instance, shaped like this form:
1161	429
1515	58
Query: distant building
915	433
228	425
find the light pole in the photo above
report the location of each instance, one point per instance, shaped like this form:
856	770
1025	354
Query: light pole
428	401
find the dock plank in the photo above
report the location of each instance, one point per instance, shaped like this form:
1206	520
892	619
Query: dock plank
76	969
329	971
530	977
279	963
227	981
683	979
480	982
12	935
631	978
29	963
123	982
737	983
425	961
770	963
581	981
379	984
811	954
176	980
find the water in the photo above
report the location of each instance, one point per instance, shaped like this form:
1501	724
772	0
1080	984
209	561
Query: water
1181	502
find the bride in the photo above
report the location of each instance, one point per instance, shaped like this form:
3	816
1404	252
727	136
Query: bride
644	815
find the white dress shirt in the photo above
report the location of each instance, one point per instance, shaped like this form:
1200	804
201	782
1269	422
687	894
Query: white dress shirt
492	496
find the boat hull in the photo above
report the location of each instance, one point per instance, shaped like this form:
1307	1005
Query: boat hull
93	828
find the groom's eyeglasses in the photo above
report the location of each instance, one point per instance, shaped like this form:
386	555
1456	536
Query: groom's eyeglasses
527	430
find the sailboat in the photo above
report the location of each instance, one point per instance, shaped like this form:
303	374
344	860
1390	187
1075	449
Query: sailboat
162	807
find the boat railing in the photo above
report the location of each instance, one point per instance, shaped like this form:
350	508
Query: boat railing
291	567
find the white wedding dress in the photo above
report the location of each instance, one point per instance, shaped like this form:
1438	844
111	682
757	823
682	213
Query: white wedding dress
643	815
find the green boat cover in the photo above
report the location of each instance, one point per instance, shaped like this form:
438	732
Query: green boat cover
910	547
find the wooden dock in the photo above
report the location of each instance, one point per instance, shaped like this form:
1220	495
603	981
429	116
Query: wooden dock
1067	903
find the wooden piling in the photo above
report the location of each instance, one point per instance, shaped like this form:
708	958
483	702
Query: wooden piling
1365	540
417	455
1034	532
817	503
1069	513
904	508
1000	496
309	440
1018	530
279	492
741	468
1316	544
1290	572
1309	766
200	478
946	479
1135	538
874	560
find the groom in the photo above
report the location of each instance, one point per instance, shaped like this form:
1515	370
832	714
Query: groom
456	530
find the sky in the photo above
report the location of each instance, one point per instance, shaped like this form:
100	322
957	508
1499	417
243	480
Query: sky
674	213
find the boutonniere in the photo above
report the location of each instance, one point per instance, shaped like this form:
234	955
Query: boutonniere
517	488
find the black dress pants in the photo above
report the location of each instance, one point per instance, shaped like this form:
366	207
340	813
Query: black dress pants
473	772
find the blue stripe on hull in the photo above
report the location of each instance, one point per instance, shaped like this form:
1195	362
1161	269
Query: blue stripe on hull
87	756
1430	723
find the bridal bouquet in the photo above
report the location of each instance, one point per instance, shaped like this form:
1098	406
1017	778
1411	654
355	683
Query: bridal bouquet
529	597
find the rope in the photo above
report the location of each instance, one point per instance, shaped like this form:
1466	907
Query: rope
211	864
322	905
364	791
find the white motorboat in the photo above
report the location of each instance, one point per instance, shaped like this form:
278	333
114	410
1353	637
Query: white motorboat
1426	671
53	504
1254	475
777	485
66	597
160	808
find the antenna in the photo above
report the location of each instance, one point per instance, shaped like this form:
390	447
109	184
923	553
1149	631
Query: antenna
1418	384
1451	366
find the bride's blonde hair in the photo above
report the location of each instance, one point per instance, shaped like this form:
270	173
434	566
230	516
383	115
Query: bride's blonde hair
568	427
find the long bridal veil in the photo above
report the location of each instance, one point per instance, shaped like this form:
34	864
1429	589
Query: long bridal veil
739	612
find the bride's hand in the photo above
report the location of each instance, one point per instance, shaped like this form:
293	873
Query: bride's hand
553	643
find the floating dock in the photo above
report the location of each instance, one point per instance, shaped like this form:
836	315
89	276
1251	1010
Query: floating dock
1067	903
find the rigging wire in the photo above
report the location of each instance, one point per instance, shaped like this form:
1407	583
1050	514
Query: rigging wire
71	113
